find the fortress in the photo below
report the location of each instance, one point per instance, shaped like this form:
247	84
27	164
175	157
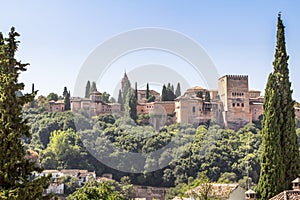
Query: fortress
233	105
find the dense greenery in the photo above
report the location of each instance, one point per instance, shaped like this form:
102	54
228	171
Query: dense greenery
62	138
93	190
278	133
16	164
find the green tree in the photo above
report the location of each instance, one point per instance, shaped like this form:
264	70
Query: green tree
136	91
87	89
94	191
132	105
65	92
278	132
32	91
178	90
112	100
120	100
70	184
67	101
105	97
15	167
52	96
42	102
93	87
199	94
147	91
164	96
64	151
207	96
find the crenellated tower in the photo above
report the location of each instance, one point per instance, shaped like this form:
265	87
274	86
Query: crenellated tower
234	93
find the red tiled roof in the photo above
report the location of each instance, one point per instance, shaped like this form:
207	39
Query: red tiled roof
287	195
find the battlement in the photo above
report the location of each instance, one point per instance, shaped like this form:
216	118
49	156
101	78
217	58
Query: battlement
235	77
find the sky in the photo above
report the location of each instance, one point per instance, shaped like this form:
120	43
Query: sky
58	36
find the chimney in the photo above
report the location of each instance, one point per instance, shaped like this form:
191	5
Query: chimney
250	195
296	184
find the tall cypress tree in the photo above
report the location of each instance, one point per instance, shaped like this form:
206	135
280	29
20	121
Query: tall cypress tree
147	91
87	89
164	95
32	91
178	90
65	92
93	87
67	101
279	162
15	165
136	91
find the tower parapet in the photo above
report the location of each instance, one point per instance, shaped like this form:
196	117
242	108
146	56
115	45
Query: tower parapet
237	77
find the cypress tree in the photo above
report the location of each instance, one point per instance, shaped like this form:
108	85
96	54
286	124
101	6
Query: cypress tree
132	105
93	87
67	101
279	162
147	92
120	100
87	89
65	92
164	94
32	91
178	90
136	91
16	181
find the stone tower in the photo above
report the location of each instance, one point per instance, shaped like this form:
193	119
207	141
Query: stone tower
234	93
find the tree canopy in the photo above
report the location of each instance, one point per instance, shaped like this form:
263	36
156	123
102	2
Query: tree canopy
16	167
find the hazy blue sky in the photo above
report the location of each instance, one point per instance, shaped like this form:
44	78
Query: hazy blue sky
57	36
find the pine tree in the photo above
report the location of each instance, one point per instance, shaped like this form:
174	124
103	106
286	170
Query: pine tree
147	92
87	89
16	168
280	160
178	90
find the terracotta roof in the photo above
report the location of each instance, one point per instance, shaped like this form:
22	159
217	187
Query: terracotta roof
217	190
287	195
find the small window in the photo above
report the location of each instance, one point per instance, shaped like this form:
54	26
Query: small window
194	109
233	104
242	104
238	104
